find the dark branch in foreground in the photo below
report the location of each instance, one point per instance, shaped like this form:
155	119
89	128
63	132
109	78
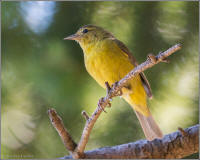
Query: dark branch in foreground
172	146
113	91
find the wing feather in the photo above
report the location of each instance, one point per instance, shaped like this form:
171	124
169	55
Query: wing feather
134	62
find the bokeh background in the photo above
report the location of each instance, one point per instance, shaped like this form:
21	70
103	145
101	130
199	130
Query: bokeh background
40	70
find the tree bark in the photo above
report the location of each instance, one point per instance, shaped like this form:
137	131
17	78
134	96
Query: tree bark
178	144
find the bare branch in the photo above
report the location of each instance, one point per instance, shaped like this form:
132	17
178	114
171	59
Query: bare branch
64	134
116	88
172	146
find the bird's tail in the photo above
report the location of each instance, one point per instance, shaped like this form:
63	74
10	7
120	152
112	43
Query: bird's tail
149	126
138	102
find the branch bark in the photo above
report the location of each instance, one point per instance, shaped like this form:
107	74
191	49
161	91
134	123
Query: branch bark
178	144
113	91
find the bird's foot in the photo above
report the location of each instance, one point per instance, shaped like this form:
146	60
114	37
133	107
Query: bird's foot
114	85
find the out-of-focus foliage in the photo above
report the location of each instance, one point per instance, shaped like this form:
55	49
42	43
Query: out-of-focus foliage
40	70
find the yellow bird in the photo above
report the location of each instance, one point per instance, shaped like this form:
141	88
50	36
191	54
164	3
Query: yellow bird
108	59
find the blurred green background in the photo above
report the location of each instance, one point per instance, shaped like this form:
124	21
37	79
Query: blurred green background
40	70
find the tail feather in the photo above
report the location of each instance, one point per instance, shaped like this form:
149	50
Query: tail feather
149	126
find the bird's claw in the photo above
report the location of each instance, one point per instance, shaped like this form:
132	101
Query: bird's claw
120	93
114	85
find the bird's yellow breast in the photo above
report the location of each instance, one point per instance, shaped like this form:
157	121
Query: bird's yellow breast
105	61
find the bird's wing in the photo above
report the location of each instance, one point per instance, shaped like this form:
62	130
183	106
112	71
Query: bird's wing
134	62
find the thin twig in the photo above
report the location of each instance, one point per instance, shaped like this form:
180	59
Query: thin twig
62	131
114	91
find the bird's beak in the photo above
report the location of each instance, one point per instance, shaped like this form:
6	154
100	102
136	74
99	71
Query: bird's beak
73	37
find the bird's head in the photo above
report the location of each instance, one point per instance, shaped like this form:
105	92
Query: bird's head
89	34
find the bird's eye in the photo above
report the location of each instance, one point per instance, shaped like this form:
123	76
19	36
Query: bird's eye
85	30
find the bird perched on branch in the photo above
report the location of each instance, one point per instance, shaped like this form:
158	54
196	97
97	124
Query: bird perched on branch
108	60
